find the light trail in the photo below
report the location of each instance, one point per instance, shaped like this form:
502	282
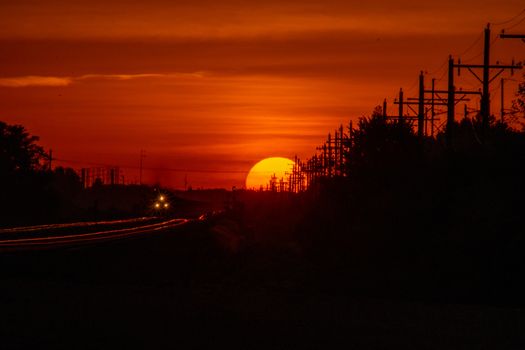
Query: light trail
52	242
72	224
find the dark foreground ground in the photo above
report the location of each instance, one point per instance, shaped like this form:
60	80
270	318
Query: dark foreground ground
177	290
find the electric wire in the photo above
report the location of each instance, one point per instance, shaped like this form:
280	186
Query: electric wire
474	43
442	76
187	170
517	24
411	88
440	68
511	19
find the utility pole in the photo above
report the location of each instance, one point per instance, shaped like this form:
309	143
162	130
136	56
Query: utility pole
421	111
325	160
421	101
486	78
451	97
330	155
296	175
503	110
432	108
485	98
401	101
341	149
336	152
502	100
400	104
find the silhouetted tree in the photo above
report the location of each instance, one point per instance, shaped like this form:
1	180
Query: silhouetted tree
379	144
66	181
19	152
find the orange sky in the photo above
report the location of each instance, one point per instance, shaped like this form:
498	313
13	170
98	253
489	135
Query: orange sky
219	85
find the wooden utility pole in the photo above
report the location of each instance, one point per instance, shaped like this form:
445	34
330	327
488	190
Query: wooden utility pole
485	97
421	110
451	97
502	110
400	104
325	160
336	151
434	100
486	78
432	108
503	35
296	175
329	155
422	101
341	149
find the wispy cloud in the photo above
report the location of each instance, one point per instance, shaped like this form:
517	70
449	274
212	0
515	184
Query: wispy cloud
119	76
33	80
36	80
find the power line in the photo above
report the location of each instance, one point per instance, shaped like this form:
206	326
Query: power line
474	43
511	19
413	85
473	58
443	65
481	53
442	75
517	24
189	170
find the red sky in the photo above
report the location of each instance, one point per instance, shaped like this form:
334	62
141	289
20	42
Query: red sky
218	85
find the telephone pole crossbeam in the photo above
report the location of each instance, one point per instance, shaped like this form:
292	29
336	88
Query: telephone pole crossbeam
492	66
511	36
485	80
458	92
412	103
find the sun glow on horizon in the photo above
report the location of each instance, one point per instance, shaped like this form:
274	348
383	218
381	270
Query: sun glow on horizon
261	173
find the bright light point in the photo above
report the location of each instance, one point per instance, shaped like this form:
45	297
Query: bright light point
261	173
161	198
157	205
165	205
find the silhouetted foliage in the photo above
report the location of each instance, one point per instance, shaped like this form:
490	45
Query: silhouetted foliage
518	105
19	152
417	217
31	192
412	217
379	145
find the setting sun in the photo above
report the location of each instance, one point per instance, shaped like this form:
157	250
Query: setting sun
261	172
